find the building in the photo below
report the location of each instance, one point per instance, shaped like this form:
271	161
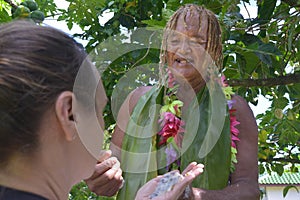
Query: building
273	186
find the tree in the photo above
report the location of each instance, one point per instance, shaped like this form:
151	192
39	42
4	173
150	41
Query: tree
261	57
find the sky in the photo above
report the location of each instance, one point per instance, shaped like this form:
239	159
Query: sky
252	11
263	103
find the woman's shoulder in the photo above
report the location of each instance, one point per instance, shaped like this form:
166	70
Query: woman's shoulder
14	194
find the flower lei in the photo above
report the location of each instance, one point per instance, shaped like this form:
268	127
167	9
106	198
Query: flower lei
172	125
227	90
172	130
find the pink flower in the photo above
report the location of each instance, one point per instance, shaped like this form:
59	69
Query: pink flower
171	126
224	82
234	131
233	139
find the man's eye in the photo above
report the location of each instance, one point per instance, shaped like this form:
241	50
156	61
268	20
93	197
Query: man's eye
197	42
194	42
174	41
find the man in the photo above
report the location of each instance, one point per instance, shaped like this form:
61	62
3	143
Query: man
191	42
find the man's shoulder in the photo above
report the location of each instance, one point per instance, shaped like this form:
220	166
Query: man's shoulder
140	91
239	103
245	116
136	94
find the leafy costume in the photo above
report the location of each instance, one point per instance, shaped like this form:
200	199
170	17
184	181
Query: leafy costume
206	140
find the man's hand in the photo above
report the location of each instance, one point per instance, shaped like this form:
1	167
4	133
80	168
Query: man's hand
107	177
191	172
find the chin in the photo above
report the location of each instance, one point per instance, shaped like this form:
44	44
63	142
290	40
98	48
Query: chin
83	174
85	167
89	169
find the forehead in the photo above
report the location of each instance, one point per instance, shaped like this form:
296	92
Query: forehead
192	24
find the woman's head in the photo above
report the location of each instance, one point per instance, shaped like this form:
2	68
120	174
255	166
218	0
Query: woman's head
37	64
192	33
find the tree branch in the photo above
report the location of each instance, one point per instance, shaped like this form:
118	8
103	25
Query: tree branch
280	80
292	3
281	160
11	3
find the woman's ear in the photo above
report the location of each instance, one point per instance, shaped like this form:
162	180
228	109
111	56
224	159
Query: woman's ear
65	114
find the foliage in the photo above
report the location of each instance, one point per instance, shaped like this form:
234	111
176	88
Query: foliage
81	191
286	189
27	9
261	57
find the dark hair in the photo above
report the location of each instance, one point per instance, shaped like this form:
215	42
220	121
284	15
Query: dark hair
37	63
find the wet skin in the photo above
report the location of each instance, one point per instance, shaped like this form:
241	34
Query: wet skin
186	47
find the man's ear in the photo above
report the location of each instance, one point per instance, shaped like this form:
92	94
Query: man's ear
65	114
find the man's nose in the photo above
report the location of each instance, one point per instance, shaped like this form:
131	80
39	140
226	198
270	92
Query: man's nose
185	47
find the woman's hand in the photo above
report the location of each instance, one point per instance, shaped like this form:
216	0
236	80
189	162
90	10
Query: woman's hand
107	177
190	173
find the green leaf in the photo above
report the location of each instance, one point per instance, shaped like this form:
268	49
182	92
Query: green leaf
172	110
265	10
291	36
279	169
263	136
138	163
155	23
287	188
295	125
294	91
281	102
248	62
178	103
261	169
173	4
298	42
70	24
165	108
167	13
5	17
249	39
218	160
269	49
127	21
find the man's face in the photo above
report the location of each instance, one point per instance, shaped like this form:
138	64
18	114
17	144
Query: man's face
186	49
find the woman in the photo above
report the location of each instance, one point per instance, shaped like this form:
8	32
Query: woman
45	133
42	156
191	48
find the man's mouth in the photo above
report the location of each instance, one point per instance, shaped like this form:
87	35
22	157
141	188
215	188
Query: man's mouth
183	61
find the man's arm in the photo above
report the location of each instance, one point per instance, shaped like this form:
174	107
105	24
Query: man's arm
244	180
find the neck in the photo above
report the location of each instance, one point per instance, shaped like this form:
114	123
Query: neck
36	176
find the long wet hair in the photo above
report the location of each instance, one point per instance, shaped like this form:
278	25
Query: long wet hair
214	35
